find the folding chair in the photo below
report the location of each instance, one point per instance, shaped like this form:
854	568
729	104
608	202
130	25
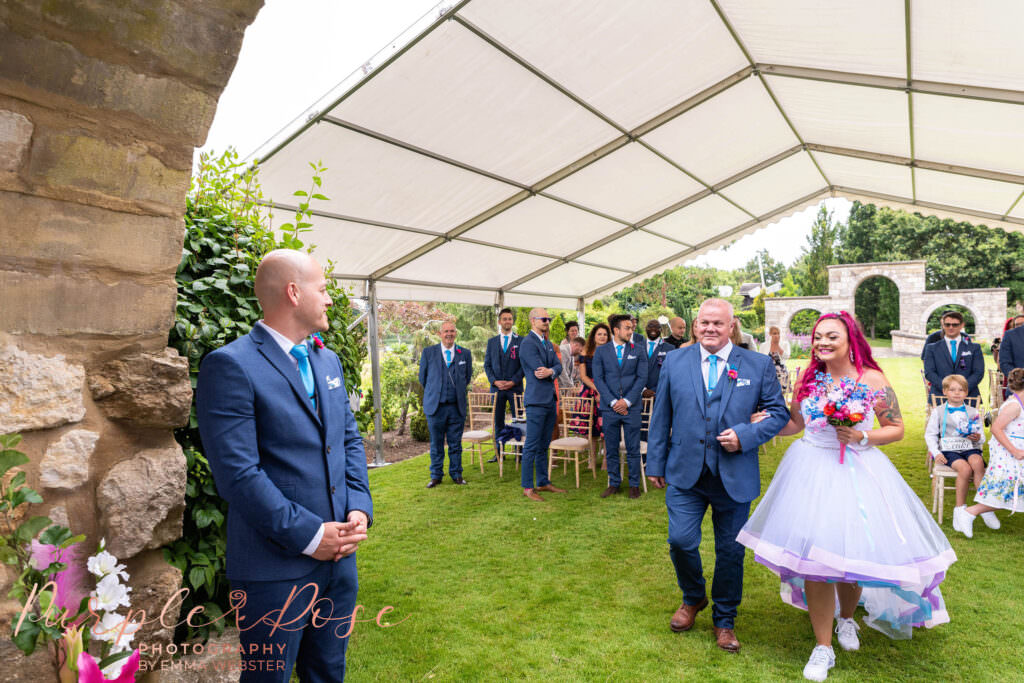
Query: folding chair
576	438
513	446
481	421
941	474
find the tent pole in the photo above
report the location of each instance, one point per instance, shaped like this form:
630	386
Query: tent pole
580	317
371	325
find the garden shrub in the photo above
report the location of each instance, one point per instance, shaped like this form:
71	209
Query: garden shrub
418	426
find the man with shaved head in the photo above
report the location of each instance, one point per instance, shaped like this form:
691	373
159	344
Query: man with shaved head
678	337
286	454
541	367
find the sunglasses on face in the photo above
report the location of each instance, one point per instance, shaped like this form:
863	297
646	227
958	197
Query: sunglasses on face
952	324
543	320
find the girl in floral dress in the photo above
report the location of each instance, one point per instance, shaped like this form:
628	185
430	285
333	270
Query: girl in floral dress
1002	488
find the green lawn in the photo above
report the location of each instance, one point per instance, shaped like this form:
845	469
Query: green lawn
494	587
882	343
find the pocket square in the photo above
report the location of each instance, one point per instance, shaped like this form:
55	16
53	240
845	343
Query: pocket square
966	353
743	383
333	382
462	362
630	357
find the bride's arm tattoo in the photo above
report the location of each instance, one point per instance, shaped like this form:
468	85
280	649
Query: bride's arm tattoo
891	406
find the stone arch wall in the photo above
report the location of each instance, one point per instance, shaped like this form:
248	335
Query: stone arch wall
101	107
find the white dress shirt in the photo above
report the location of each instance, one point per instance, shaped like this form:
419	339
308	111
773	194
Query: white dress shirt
723	360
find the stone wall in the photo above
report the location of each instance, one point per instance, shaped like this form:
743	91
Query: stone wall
101	107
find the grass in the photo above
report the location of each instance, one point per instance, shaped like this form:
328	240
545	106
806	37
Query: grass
881	343
492	587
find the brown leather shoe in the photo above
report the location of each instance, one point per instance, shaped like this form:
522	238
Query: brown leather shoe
433	482
725	638
529	493
682	620
610	491
550	489
634	491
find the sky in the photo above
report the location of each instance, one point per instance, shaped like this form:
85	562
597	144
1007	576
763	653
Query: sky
296	51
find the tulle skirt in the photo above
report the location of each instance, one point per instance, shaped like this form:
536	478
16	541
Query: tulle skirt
856	522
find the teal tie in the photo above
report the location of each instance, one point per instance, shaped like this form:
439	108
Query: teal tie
953	352
650	348
448	356
504	343
618	353
301	353
712	373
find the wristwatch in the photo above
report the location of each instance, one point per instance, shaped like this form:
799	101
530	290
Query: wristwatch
864	439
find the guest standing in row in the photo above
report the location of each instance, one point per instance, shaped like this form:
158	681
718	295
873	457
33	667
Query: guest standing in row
504	371
446	370
540	367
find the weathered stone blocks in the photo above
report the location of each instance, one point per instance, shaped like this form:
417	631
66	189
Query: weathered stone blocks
152	390
15	136
38	392
65	464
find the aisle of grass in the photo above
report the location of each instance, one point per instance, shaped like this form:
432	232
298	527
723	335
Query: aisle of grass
494	587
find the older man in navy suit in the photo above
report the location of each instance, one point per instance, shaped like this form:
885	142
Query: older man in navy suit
446	370
620	373
703	446
541	367
286	454
953	354
504	371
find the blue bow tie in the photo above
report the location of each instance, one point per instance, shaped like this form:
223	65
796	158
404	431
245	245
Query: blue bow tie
962	409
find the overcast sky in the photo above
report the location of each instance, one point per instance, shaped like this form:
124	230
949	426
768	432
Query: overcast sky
298	50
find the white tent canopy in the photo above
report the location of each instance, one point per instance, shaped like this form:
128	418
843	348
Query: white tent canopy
545	152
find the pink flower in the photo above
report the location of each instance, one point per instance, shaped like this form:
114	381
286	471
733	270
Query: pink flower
70	581
733	374
317	341
89	670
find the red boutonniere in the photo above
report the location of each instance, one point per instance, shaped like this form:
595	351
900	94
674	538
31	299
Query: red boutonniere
733	372
317	341
458	349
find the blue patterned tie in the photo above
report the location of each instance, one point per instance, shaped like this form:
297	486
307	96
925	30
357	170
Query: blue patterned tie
301	353
618	353
712	373
953	352
448	356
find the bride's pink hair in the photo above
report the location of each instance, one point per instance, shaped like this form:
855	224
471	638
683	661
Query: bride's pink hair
859	347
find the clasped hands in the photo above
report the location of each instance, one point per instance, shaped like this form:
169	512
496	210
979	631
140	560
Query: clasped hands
341	539
541	373
504	384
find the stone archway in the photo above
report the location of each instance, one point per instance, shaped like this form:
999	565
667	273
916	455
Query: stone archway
916	303
101	108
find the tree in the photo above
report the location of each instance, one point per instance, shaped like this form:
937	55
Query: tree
817	254
557	329
522	321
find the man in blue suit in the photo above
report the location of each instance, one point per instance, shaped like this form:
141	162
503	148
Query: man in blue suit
704	448
286	454
656	349
620	373
446	370
1011	351
541	367
504	371
954	354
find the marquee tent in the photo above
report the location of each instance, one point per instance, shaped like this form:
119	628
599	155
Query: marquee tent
544	152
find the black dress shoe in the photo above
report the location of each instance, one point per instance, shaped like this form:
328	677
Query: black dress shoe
432	483
460	481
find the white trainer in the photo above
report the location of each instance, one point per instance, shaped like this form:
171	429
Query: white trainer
963	521
847	631
990	519
822	659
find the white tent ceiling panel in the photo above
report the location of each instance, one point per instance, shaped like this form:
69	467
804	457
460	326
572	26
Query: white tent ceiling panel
455	95
633	251
845	116
870	176
544	225
697	222
533	301
976	43
631	183
624	57
397	291
717	139
865	36
373	180
946	130
462	263
782	182
574	279
359	249
980	194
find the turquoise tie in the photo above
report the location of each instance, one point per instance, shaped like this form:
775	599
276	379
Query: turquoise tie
953	344
504	343
301	353
650	348
712	373
618	353
448	356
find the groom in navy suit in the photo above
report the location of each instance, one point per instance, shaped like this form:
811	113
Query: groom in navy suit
620	373
504	371
703	446
286	454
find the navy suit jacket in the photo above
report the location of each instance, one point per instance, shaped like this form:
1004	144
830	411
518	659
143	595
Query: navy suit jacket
614	381
434	372
655	361
938	364
1011	351
675	448
504	365
534	354
937	335
283	466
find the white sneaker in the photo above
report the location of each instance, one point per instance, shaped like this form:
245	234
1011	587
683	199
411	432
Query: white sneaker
822	659
990	519
847	630
963	521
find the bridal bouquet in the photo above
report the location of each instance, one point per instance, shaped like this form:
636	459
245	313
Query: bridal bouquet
841	404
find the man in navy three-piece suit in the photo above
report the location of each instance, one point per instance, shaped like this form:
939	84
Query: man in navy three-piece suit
953	354
286	454
703	446
541	367
504	371
620	373
446	370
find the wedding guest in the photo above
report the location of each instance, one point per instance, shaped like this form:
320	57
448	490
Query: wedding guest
540	367
953	354
954	437
939	333
656	351
1002	487
446	371
778	350
678	337
741	338
504	372
566	355
575	349
599	335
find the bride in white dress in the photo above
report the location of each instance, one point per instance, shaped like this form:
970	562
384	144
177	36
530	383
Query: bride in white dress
838	520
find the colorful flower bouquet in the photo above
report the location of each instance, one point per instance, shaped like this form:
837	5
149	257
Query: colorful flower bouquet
972	426
841	404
